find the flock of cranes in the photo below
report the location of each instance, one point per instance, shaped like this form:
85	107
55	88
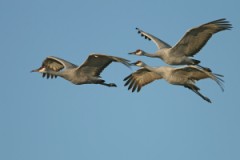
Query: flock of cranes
180	54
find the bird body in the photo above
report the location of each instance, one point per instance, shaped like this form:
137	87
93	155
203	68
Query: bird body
189	45
165	55
183	76
87	73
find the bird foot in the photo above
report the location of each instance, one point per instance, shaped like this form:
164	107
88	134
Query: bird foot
109	84
112	85
207	99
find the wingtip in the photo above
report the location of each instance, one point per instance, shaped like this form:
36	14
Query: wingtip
126	78
138	30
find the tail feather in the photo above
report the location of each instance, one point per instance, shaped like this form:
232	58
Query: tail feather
219	81
215	77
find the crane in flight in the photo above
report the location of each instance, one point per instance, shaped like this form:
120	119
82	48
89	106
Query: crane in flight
189	45
87	73
183	76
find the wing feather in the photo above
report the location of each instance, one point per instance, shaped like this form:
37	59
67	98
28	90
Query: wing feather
196	73
194	39
140	78
54	64
160	44
96	63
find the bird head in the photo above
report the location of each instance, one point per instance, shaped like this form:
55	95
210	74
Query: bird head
138	52
41	69
138	63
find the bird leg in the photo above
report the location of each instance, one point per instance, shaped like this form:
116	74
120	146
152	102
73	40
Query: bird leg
102	82
109	84
195	89
205	68
196	62
203	97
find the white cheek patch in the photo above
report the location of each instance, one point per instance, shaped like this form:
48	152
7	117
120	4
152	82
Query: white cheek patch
139	53
42	69
139	64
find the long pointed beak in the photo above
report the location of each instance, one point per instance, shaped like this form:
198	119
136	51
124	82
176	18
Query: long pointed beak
41	69
35	70
134	64
132	53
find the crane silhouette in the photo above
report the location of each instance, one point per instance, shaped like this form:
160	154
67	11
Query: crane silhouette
183	76
189	45
87	73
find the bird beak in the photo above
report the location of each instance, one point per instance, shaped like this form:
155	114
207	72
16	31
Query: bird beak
41	69
35	70
132	53
134	64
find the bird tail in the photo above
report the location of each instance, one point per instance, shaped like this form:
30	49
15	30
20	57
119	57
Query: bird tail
209	74
217	79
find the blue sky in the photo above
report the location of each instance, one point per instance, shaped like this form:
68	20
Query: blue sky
54	119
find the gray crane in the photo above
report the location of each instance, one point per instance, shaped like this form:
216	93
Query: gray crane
183	76
87	73
190	44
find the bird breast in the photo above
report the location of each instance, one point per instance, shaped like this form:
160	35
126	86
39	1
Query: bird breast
177	80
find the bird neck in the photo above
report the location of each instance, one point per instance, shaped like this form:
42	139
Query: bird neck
152	55
163	71
148	67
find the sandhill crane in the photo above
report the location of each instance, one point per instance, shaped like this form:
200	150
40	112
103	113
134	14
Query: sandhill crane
87	73
190	44
183	76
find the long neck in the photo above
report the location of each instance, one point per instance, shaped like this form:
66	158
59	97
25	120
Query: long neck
163	71
153	69
153	55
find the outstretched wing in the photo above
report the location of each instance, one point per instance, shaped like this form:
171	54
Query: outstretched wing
194	39
196	73
190	72
96	63
140	78
55	64
160	44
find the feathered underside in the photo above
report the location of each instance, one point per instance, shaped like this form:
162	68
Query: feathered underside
140	78
184	76
195	73
55	64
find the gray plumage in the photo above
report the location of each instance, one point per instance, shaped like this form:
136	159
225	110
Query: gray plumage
189	45
87	73
183	76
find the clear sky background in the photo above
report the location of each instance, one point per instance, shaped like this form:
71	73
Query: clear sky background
53	119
